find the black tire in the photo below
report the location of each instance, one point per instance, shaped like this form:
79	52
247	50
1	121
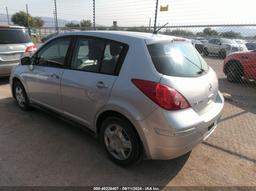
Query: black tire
205	51
19	92
222	54
234	72
135	152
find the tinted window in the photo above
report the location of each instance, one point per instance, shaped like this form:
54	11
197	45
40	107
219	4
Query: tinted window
111	56
96	55
88	55
54	53
177	59
13	36
251	46
212	41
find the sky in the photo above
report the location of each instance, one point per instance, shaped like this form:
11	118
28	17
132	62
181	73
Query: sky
138	13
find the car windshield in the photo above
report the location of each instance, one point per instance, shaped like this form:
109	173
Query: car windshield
178	58
13	36
228	41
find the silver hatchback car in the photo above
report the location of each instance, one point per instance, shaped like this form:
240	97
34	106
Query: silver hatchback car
144	95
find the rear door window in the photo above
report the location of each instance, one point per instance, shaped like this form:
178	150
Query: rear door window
97	55
177	59
88	55
13	36
111	57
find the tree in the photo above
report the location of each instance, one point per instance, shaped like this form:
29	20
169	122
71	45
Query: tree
179	32
20	18
210	32
231	34
138	29
37	22
72	25
85	24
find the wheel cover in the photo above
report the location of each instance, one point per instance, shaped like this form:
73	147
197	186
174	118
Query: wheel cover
117	142
19	94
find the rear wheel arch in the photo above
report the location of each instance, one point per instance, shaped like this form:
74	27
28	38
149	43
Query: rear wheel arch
111	113
15	80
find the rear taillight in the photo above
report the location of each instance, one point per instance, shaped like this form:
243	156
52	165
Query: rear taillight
30	48
162	95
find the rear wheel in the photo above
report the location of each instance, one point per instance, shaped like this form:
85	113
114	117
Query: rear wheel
234	72
20	96
222	54
120	141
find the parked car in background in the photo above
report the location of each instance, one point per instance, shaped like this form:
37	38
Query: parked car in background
198	45
251	45
240	64
202	39
14	42
240	41
44	39
222	47
142	94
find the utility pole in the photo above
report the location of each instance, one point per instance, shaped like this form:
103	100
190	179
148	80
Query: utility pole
94	28
29	32
56	17
7	13
155	17
149	25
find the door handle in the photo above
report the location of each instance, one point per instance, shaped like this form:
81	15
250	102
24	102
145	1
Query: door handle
55	76
101	84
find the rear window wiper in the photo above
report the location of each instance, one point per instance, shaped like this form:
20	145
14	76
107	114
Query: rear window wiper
200	68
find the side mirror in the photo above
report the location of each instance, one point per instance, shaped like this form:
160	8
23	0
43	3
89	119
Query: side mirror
26	60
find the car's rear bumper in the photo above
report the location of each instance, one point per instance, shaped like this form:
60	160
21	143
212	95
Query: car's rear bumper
5	69
166	139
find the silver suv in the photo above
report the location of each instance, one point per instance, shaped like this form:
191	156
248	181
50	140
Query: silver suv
143	95
222	47
14	42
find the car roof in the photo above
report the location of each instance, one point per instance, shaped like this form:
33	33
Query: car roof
126	36
11	27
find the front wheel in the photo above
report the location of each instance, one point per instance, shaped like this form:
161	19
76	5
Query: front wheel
120	141
21	96
234	73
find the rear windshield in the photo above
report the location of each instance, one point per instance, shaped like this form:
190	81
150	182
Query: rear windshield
13	36
228	41
177	59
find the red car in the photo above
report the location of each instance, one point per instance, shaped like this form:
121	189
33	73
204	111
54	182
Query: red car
240	64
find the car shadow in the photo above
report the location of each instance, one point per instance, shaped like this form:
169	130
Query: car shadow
213	56
242	94
42	149
4	80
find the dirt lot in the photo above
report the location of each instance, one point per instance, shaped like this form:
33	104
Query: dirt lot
36	149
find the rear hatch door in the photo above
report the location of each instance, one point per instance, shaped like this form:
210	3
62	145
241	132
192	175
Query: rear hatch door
13	43
185	70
